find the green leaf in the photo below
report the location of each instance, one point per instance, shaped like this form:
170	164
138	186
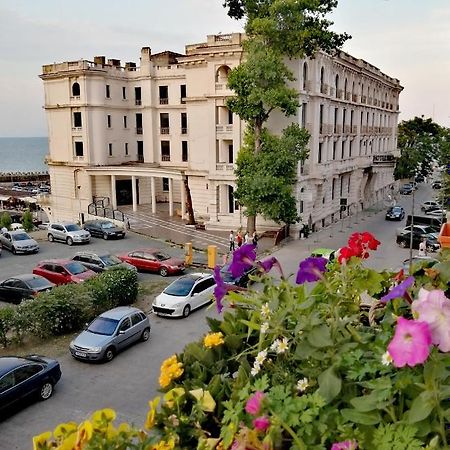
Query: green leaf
329	384
365	403
364	418
320	337
421	407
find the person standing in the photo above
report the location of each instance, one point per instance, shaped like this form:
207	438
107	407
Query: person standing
247	238
255	239
239	238
423	247
231	238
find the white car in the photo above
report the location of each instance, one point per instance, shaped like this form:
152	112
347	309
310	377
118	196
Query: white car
436	212
429	205
184	295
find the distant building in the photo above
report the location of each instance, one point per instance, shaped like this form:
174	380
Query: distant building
132	133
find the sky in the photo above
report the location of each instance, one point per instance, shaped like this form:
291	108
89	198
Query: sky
406	39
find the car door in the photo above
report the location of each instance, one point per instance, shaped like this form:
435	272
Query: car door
13	290
60	274
150	262
7	241
27	380
124	333
137	326
136	258
7	392
200	293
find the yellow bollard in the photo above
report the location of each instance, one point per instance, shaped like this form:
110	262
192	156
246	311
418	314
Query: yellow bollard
188	253
212	256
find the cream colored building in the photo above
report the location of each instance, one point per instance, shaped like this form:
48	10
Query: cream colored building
130	134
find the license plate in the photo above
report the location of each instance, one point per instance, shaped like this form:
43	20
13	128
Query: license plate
83	355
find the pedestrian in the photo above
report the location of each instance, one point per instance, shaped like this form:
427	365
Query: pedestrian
239	238
4	230
255	238
423	247
128	223
232	246
247	238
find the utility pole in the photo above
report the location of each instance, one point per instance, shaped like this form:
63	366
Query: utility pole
412	231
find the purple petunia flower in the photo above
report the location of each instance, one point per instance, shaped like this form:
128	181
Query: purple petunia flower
267	264
311	269
243	259
220	290
399	290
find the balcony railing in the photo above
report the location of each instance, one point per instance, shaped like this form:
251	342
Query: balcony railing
363	99
339	93
338	129
225	167
164	130
78	158
324	89
77	128
163	101
348	96
165	158
354	129
139	130
385	160
184	130
138	102
140	158
224	128
354	98
308	85
75	98
332	91
347	129
182	100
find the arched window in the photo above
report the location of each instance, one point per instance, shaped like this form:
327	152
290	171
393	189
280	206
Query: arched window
222	74
336	85
305	75
75	90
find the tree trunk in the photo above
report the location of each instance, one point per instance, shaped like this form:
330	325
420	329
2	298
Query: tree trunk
190	209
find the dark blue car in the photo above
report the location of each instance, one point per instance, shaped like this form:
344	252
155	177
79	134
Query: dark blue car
30	376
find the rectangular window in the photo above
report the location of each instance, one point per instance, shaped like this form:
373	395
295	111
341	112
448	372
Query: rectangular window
230	117
165	150
348	184
79	149
125	122
139	123
342	185
301	206
184	123
304	111
165	184
344	114
183	93
124	93
77	120
109	121
351	120
137	96
163	95
334	150
319	154
342	149
126	148
332	189
110	149
335	119
164	123
140	151
350	149
184	151
108	93
321	119
230	154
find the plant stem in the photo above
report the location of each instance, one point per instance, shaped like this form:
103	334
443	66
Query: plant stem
300	444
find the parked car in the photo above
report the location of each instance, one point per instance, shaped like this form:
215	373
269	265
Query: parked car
18	242
63	271
104	229
67	232
17	226
241	281
109	333
406	189
403	240
154	260
420	178
16	288
21	378
429	205
100	263
438	212
436	185
431	221
184	295
419	228
395	213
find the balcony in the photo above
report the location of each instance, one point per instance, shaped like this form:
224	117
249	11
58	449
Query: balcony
77	129
138	102
225	167
79	158
347	129
75	98
338	129
363	99
307	85
348	96
324	89
182	100
354	98
339	93
387	160
163	101
140	158
165	158
332	91
354	129
184	130
139	130
164	130
224	128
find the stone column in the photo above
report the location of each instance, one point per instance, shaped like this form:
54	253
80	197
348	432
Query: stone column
133	192
89	195
153	194
183	199
113	192
170	197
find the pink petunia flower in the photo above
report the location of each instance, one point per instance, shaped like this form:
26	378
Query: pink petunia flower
433	307
261	423
411	343
253	404
345	445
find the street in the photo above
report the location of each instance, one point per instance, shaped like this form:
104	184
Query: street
131	379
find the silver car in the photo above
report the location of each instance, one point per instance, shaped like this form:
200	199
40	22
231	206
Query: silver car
67	232
109	333
18	242
100	263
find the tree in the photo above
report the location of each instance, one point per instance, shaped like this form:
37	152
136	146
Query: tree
27	220
5	221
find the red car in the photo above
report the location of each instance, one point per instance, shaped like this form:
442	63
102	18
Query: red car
153	260
63	271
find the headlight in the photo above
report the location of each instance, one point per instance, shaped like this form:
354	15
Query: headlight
95	349
72	345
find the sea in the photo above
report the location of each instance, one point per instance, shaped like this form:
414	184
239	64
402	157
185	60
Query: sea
23	154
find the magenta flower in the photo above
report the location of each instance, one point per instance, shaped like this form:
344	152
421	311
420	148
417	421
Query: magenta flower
268	263
433	307
253	404
243	259
411	343
399	290
220	289
311	269
261	423
345	445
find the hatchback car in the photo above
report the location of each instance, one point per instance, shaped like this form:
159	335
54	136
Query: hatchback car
21	378
100	263
18	242
184	295
436	185
67	232
432	244
15	289
63	271
395	213
406	189
109	333
154	260
104	229
429	205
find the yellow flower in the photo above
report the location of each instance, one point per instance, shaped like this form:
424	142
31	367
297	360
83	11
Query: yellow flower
65	429
172	396
171	369
213	340
150	421
205	399
103	416
41	441
163	445
85	431
69	443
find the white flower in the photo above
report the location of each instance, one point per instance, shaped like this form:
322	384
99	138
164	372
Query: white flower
302	384
265	310
386	359
264	327
261	357
274	346
255	369
282	345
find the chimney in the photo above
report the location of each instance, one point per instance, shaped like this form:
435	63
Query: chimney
114	62
130	65
146	53
100	60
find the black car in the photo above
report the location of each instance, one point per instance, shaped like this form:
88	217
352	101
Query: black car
403	241
15	289
241	281
406	189
21	378
104	229
420	178
436	185
395	213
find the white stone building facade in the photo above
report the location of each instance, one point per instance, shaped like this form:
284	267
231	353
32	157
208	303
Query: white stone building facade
131	134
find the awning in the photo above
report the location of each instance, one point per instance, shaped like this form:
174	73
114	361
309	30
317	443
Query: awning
28	199
4	198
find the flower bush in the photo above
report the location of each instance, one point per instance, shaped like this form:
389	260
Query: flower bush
333	362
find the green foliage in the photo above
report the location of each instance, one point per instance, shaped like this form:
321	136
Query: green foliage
5	221
27	220
6	318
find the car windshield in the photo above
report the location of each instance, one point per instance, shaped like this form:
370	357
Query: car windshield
161	256
20	237
180	287
103	325
226	274
75	268
73	227
107	225
397	209
110	260
37	282
430	236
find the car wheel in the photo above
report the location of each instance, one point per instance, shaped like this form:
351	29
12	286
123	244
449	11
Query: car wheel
69	241
402	244
430	249
46	391
163	271
145	335
50	238
109	354
105	236
13	250
186	310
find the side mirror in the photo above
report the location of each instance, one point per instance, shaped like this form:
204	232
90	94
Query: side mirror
121	332
195	294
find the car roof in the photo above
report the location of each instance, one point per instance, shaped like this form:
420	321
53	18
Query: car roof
56	261
148	250
26	276
119	312
63	223
98	221
17	232
8	363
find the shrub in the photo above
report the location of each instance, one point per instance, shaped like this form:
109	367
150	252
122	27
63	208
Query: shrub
5	221
6	322
27	220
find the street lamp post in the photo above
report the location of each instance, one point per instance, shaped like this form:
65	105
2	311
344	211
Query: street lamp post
412	231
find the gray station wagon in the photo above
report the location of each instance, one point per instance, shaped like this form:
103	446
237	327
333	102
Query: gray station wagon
109	333
67	232
18	242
